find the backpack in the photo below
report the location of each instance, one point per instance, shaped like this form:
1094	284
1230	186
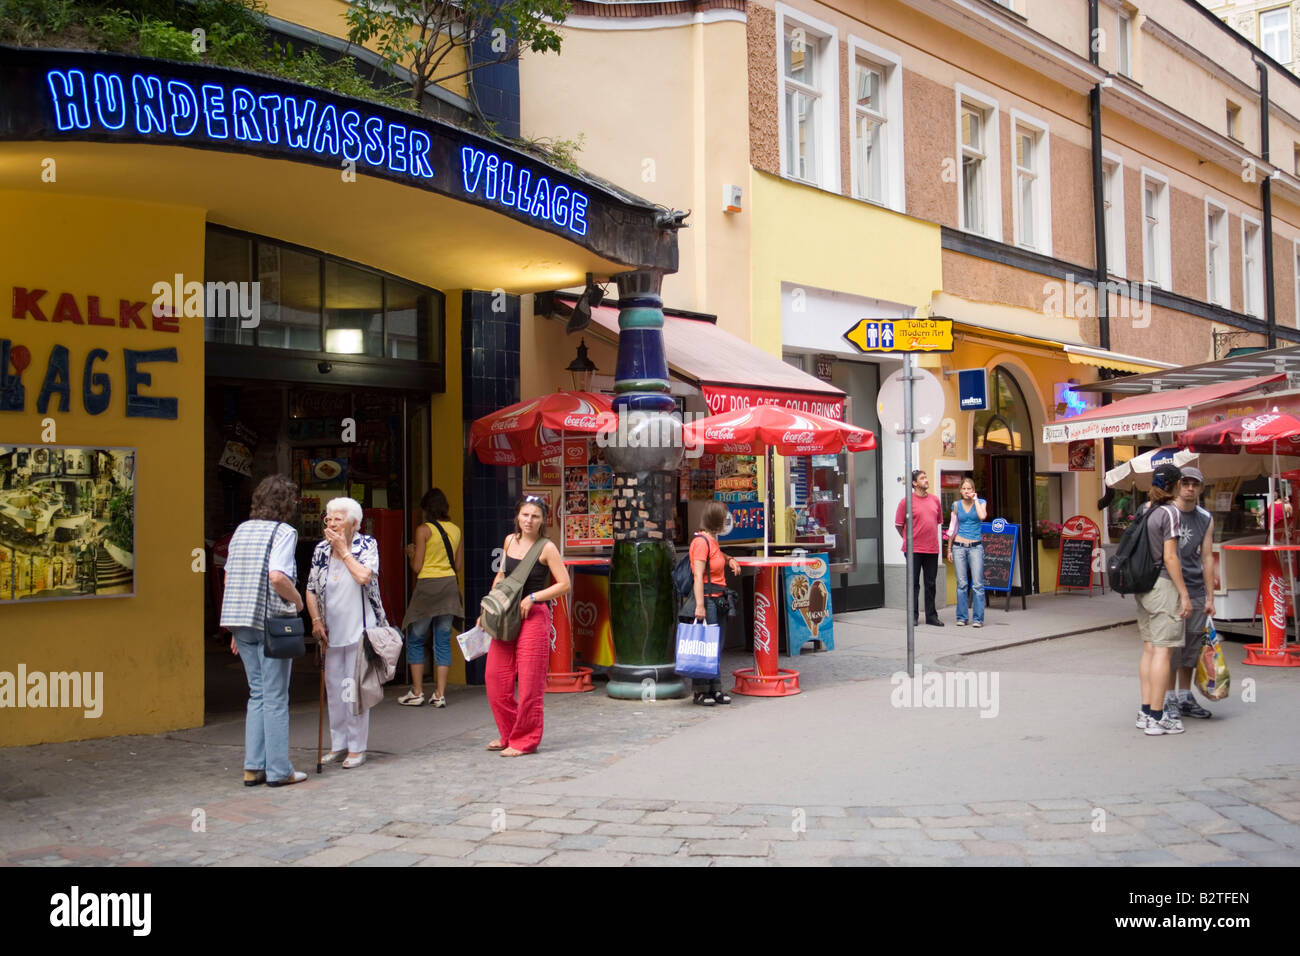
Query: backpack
1131	569
684	574
500	609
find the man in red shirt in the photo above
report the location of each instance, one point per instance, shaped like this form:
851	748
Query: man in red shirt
927	519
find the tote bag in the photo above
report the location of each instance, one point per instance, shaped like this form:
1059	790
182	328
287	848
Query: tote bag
698	647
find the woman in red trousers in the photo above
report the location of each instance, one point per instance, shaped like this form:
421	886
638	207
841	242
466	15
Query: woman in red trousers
525	659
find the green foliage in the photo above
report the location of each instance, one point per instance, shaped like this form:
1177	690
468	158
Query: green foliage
42	15
309	67
558	152
121	521
164	41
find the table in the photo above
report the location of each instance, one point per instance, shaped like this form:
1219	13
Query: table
561	676
1274	592
765	678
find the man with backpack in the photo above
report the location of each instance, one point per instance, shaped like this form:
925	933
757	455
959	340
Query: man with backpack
1163	609
1196	560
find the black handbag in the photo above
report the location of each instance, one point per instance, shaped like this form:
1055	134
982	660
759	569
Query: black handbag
284	636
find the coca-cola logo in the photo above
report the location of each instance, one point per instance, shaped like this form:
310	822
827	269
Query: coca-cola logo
580	421
797	437
1079	527
762	631
1278	597
720	434
505	424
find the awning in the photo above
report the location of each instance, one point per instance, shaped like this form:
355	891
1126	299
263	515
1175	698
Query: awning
1277	361
1104	358
730	372
1146	414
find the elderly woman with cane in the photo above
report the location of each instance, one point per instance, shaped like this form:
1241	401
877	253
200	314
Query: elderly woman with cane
343	600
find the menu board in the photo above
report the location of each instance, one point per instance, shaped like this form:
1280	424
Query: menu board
588	495
1000	539
735	481
1074	568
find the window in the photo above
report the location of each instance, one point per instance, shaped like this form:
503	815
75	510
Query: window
1275	33
979	186
1234	121
1295	159
1124	44
1252	269
1216	253
877	159
1295	250
1031	178
809	115
1112	197
1155	230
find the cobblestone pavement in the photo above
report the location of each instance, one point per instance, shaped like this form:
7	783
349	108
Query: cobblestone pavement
166	799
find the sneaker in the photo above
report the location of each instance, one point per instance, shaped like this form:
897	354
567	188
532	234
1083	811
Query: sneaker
978	624
961	623
1188	707
1142	719
411	699
438	701
1172	707
1165	725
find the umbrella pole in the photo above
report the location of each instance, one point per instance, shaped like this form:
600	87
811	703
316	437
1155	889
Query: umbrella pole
564	494
766	495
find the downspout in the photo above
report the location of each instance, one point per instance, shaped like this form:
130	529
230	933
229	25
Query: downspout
1266	202
1102	273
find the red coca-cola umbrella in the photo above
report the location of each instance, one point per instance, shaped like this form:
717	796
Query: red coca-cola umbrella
1259	434
763	428
533	430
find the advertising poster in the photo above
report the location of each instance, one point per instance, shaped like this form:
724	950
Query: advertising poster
808	605
1083	455
744	522
593	641
67	522
588	495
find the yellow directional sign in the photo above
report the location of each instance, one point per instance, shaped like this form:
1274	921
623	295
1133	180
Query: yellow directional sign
901	335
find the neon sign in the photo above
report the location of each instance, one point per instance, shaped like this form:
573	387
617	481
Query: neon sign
175	108
498	180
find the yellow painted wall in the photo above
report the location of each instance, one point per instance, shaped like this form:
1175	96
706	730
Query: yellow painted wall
445	418
149	646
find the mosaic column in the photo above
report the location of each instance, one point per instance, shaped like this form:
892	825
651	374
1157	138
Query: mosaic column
644	458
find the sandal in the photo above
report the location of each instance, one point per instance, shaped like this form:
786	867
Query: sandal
411	699
703	699
496	745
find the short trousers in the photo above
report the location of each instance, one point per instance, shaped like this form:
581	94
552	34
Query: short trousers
1158	620
1194	634
419	630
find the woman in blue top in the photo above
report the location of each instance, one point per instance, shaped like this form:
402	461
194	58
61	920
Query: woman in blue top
966	551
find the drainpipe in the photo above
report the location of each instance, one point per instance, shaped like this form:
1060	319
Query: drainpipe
1102	274
1266	202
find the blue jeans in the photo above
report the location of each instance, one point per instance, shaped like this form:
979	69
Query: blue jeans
419	631
266	728
968	561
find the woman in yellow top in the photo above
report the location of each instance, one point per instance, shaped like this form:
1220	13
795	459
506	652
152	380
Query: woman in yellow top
436	556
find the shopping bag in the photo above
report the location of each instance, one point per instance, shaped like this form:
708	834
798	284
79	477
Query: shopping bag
474	643
697	649
1212	667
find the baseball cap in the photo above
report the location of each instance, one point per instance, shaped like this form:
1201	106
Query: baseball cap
1165	476
1194	473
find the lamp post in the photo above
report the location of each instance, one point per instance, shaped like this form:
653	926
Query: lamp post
644	459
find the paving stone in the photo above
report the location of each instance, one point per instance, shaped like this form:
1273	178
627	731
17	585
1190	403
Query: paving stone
525	797
1273	857
951	833
1190	811
1061	862
1221	825
874	812
630	829
670	861
607	815
1213	798
744	820
372	840
965	822
859	861
567	825
1203	853
247	859
936	810
580	841
1163	833
500	853
1139	809
1068	816
895	823
831	811
677	817
737	847
983	861
1116	842
1288	811
923	848
1067	804
533	838
1285	834
439	846
1002	833
784	833
644	844
696	806
587	858
550	812
705	833
403	829
915	861
992	848
444	861
1001	806
1253	817
1137	857
335	856
584	803
1243	843
619	803
1116	799
1056	847
388	858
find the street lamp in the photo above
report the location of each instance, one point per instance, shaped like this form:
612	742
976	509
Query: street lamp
581	368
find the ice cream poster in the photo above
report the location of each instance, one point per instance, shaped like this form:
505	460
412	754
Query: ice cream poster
808	605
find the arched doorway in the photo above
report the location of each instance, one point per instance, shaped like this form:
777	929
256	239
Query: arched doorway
1004	467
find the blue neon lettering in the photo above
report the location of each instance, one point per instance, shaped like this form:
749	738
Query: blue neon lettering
374	152
522	203
578	214
110	100
560	205
326	139
397	147
351	141
507	176
149	110
214	111
490	180
182	96
69	96
419	144
297	123
242	106
270	105
542	199
471	165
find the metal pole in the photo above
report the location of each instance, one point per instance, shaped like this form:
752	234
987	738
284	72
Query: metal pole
907	528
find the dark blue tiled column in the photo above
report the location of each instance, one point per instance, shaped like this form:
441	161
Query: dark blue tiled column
490	363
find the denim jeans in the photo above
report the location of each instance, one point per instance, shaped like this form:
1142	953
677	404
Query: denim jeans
266	727
419	630
969	564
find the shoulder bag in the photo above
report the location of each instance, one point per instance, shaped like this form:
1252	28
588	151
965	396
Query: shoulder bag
500	609
457	622
284	636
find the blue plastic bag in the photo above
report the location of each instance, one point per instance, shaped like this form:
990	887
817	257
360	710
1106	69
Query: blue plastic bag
698	647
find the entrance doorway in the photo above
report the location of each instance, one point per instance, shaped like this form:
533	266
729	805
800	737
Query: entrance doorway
1004	469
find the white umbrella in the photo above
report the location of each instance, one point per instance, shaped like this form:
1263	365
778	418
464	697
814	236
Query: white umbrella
1137	472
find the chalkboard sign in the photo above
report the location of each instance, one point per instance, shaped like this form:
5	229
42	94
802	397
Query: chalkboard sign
1000	539
1074	568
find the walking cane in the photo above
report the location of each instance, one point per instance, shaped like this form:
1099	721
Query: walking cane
320	720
